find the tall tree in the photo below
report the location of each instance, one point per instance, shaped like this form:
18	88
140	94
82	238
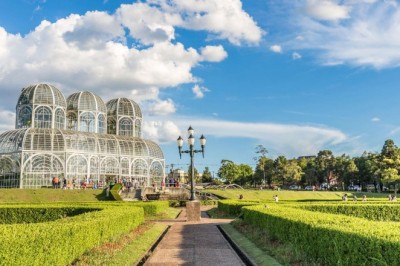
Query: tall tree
390	163
325	163
261	160
280	169
228	171
245	173
207	177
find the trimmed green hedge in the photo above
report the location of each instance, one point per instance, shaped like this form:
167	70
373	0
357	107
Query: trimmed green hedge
152	207
15	215
114	192
330	239
234	207
376	212
60	242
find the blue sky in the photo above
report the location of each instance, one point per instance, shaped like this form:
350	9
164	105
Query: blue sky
296	76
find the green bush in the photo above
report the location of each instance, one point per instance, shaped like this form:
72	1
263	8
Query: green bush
59	242
234	207
114	192
14	215
152	207
376	212
330	239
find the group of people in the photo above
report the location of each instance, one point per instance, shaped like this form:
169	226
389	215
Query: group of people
345	197
392	197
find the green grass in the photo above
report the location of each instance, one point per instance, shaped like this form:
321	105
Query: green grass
127	250
50	195
288	195
283	253
169	214
257	255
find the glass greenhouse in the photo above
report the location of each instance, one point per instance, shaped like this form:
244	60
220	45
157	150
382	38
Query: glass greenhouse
81	139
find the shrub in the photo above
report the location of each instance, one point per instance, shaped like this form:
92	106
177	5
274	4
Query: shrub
59	242
114	192
234	207
153	207
14	215
376	212
330	239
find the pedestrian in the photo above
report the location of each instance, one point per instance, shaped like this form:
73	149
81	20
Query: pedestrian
241	196
390	197
364	198
56	182
344	198
275	197
107	190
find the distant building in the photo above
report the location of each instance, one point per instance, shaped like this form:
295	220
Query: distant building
181	176
81	139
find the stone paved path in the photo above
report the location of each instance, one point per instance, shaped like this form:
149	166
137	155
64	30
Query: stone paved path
194	243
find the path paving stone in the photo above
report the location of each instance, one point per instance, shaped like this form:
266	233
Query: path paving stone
194	243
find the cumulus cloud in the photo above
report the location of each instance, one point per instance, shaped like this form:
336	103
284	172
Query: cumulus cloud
160	131
158	19
132	51
213	53
360	33
375	119
224	19
7	120
199	91
296	56
288	139
276	48
162	107
326	10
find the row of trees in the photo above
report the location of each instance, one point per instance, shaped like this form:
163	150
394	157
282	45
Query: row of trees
319	170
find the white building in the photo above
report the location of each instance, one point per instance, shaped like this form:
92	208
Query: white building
79	139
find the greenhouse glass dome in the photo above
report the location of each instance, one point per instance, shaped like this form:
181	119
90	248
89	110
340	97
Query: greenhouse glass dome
66	139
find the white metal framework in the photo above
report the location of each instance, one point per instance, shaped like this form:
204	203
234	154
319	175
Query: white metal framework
49	142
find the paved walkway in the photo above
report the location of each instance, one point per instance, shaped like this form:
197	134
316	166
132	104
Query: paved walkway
194	243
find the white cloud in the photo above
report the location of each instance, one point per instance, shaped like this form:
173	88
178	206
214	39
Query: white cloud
326	10
161	131
296	56
162	107
213	53
93	51
370	36
155	20
288	139
199	91
7	120
225	19
375	119
276	48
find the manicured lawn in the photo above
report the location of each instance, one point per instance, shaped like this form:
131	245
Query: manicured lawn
50	195
126	250
288	195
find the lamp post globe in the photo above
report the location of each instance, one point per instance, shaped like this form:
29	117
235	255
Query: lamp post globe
191	151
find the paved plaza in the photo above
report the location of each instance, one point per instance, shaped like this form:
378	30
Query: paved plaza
194	243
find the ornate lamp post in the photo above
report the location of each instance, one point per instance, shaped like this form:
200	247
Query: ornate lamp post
191	152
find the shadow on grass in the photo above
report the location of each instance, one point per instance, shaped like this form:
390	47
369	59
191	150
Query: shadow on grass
103	196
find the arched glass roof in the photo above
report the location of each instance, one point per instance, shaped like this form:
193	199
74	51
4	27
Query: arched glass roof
11	141
154	150
42	94
46	139
123	106
86	101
